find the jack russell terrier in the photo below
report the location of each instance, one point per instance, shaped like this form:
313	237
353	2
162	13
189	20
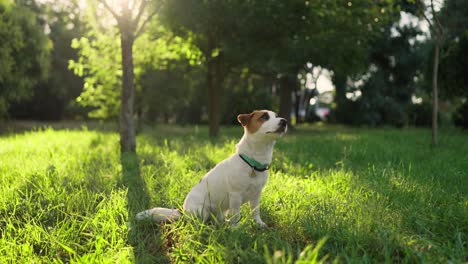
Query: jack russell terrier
235	180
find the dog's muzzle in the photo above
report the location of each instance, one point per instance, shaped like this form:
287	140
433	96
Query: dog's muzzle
283	124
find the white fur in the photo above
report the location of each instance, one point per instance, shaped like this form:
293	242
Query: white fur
230	183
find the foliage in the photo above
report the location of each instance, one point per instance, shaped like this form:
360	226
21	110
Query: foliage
24	51
171	94
102	77
420	114
257	48
396	71
449	31
155	50
53	97
276	38
244	90
213	24
309	31
377	195
454	81
396	64
461	116
438	36
169	76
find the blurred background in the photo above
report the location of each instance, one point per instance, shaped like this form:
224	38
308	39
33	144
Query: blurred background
354	62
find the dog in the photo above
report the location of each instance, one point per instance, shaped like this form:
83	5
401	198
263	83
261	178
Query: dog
235	180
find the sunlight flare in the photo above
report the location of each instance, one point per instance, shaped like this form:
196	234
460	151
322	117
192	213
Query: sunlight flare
120	5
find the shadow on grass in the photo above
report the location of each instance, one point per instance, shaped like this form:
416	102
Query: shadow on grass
148	245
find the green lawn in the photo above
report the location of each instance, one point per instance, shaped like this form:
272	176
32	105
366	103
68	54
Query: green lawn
375	195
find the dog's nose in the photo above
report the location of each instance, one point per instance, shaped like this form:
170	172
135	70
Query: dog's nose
283	122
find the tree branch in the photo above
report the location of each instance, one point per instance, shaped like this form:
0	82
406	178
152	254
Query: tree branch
423	11
148	18
141	10
440	30
132	4
434	17
318	76
114	14
99	25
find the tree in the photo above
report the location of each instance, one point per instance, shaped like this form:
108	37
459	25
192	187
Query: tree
24	53
274	42
273	39
283	36
355	34
52	100
101	94
438	35
447	27
386	89
131	25
213	26
453	63
171	78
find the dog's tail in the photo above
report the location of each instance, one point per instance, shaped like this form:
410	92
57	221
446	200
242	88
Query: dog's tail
159	214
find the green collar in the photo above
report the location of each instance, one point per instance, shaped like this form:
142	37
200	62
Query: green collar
254	164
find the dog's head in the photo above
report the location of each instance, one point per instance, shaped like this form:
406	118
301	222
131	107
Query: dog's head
264	123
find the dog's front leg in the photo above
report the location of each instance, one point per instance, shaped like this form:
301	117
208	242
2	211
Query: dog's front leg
235	201
255	206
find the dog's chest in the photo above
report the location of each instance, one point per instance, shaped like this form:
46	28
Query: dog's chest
254	184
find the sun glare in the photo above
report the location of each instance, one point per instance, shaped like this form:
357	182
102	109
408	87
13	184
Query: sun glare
119	4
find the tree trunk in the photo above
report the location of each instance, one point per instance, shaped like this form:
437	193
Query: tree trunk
308	95
210	80
214	81
297	106
127	125
340	100
218	86
286	88
435	99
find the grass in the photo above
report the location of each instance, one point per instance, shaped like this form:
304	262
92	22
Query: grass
334	194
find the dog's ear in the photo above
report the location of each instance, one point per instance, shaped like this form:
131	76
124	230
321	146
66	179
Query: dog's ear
244	119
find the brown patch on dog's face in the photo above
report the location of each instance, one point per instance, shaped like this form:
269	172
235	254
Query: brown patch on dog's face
253	121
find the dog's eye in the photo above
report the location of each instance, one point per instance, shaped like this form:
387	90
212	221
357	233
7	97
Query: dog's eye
265	117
